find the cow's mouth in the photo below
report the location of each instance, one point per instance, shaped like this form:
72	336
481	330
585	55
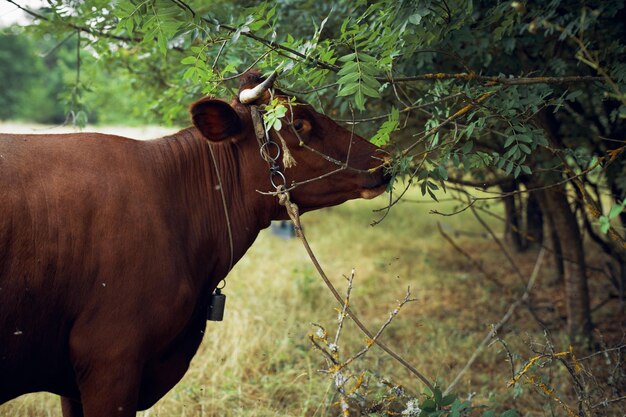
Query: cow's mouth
369	193
375	190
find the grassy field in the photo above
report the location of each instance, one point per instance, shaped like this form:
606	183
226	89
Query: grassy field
259	361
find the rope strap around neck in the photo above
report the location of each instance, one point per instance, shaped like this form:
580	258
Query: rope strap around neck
230	231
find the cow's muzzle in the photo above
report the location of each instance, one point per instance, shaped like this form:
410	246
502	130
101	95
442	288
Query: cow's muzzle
379	181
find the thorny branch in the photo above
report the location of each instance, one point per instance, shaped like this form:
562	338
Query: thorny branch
526	373
337	368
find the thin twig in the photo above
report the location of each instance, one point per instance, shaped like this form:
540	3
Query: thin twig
371	341
494	330
404	110
474	262
342	315
500	244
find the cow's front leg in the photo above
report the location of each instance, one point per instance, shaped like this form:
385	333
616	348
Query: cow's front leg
108	370
71	408
109	389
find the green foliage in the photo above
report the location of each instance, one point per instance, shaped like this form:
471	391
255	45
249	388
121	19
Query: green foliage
30	83
273	113
436	404
357	78
605	221
383	136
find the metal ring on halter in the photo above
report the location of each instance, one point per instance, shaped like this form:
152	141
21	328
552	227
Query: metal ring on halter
223	285
265	152
274	173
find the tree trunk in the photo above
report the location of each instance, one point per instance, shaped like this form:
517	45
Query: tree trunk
534	221
512	225
579	325
554	238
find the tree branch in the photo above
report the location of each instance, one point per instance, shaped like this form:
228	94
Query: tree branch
493	80
74	26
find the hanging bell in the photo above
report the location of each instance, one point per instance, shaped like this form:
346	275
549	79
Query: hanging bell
217	302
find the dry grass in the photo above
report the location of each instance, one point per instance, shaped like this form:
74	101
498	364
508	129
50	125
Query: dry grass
259	362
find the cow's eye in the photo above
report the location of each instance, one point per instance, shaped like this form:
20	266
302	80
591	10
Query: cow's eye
302	127
298	124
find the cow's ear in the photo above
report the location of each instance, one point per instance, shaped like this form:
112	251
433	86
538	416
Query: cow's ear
215	119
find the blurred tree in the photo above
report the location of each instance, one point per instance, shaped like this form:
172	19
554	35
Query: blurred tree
24	81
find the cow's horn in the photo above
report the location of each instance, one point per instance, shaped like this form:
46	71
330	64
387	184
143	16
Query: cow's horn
251	94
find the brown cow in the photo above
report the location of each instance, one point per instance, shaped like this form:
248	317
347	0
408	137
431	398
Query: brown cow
111	247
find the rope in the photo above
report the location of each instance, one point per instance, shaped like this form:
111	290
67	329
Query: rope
230	232
294	214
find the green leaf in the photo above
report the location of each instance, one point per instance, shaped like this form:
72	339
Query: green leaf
188	60
437	392
349	57
509	413
190	73
348	90
509	167
368	91
371	81
349	68
280	110
605	225
368	68
442	173
415	19
511	151
348	78
366	58
428	404
448	400
615	211
359	99
572	96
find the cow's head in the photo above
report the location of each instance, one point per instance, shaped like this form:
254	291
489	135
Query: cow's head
332	164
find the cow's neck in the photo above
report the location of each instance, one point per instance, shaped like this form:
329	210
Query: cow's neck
248	210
